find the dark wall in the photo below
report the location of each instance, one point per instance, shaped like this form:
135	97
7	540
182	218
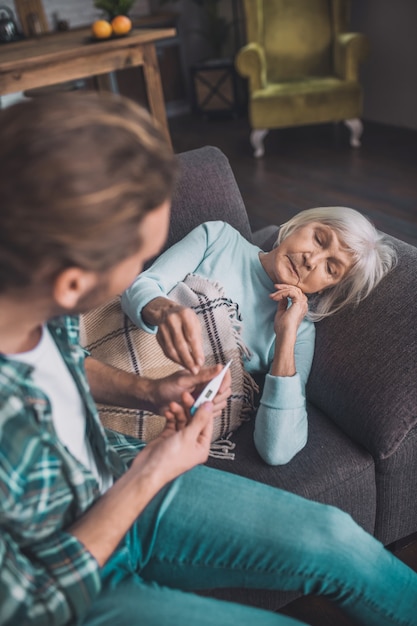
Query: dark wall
389	75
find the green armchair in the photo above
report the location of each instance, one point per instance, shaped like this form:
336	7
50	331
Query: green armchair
302	66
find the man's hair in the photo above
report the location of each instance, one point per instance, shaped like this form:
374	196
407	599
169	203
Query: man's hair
78	172
372	253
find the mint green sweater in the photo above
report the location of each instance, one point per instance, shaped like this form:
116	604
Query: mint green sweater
218	252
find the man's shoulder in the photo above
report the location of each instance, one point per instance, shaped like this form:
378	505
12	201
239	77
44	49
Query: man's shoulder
65	331
68	325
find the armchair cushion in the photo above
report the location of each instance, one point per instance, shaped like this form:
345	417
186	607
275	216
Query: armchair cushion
309	101
297	39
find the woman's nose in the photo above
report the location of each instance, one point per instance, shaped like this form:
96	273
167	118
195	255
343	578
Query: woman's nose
312	259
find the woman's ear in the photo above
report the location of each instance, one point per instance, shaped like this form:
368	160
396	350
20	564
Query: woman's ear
71	285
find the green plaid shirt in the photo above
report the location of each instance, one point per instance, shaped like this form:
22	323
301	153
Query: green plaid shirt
46	574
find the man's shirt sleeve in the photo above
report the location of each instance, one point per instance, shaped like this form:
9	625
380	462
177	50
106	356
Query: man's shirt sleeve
47	577
51	585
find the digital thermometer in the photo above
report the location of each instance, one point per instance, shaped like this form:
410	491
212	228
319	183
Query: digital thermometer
210	389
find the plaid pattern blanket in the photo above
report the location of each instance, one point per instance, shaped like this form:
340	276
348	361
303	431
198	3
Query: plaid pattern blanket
109	335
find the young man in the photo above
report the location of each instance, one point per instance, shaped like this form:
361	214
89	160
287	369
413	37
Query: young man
96	528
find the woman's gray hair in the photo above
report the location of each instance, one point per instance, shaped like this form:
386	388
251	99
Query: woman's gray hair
373	256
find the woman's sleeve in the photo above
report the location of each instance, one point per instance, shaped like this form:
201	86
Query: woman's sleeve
167	271
281	425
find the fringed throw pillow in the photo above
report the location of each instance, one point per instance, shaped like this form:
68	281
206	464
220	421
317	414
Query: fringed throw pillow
109	335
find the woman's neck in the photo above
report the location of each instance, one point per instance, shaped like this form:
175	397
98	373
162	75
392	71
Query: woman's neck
266	259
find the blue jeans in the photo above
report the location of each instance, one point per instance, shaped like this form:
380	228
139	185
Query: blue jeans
211	529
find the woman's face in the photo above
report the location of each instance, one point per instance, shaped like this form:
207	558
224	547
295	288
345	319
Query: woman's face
312	258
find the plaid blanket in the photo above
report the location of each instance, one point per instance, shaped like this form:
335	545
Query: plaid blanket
109	335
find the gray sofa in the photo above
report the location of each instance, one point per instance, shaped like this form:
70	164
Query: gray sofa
361	453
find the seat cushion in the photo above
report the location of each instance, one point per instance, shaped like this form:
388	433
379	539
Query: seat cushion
311	101
331	468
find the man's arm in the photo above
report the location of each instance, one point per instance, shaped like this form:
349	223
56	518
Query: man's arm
46	590
163	459
64	575
110	385
59	579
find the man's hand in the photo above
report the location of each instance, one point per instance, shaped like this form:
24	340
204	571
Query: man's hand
184	442
179	332
164	391
114	386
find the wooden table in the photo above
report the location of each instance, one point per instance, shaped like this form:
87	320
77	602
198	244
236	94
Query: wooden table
71	55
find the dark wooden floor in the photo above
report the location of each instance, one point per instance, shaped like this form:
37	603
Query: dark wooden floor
314	166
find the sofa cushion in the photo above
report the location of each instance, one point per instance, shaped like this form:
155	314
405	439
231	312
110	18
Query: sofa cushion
331	468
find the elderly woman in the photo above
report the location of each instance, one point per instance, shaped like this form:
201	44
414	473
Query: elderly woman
324	259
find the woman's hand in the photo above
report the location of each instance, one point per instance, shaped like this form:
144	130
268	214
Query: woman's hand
286	323
289	318
170	389
179	332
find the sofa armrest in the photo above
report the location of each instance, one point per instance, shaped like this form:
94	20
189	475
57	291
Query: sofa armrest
250	63
206	190
350	50
363	375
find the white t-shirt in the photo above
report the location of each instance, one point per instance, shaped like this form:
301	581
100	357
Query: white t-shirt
52	376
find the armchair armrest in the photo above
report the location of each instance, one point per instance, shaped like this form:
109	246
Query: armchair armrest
350	50
250	63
